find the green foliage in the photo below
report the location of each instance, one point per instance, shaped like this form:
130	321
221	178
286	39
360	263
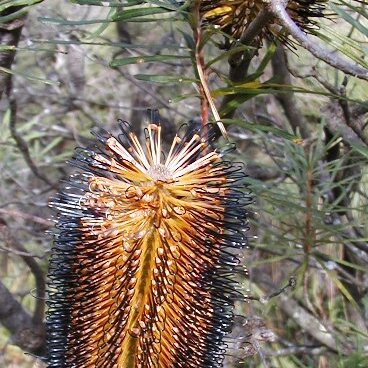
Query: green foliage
309	177
21	6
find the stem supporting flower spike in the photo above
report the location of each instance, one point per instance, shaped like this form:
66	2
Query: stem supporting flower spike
204	88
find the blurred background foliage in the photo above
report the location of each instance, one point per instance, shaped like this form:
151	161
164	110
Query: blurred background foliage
300	126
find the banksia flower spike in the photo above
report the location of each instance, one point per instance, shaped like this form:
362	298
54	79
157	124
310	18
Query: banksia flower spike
234	16
141	272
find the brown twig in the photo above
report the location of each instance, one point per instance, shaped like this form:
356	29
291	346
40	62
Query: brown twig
200	65
266	298
19	253
24	332
27	332
352	120
206	98
27	216
9	36
334	118
309	323
22	144
303	318
287	99
298	350
36	270
347	120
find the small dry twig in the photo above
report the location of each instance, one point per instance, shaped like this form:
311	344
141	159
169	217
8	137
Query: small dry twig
27	216
22	144
36	270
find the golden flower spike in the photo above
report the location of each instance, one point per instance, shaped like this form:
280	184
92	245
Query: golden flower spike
234	16
141	274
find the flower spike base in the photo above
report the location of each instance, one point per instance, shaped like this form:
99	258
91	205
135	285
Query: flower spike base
141	271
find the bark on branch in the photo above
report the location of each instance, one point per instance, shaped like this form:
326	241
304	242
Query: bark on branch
9	36
240	62
277	8
25	333
38	314
287	99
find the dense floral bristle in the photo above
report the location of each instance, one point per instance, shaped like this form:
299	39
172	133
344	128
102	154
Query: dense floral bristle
140	274
234	16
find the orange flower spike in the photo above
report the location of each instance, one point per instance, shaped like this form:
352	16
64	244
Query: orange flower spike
139	275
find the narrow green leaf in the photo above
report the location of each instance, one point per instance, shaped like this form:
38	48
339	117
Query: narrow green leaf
363	150
14	15
358	9
7	48
188	37
103	26
145	59
263	128
272	259
170	5
65	22
17	3
267	58
228	53
339	284
164	79
6	120
344	263
129	14
27	76
343	44
354	22
182	97
110	44
106	3
51	145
